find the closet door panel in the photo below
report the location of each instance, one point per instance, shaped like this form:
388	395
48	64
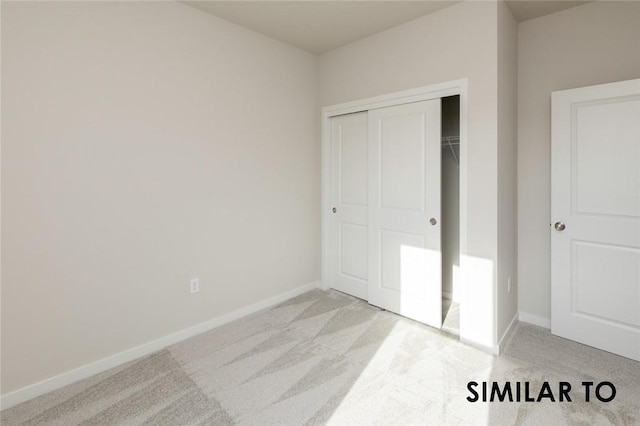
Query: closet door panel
402	162
349	198
400	260
404	194
353	243
352	141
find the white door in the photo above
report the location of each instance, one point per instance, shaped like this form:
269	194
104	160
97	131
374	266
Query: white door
404	210
349	204
595	233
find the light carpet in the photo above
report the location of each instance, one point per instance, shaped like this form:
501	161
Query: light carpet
328	358
450	317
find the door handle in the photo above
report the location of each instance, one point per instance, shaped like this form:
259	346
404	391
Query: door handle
433	221
559	226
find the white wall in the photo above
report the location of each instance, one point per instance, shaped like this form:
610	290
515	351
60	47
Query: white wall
587	45
507	168
145	144
456	42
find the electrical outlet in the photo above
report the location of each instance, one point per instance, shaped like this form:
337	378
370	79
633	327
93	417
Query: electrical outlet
194	285
509	285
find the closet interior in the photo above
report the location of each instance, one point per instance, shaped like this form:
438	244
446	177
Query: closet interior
450	190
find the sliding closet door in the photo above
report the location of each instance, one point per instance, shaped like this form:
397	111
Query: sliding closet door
349	204
405	267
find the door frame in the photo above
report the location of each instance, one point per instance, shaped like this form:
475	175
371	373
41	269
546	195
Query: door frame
440	90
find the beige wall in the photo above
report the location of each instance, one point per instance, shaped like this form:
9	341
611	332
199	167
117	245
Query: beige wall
456	42
507	168
182	145
591	44
145	144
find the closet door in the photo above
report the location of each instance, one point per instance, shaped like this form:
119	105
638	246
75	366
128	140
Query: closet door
349	204
405	268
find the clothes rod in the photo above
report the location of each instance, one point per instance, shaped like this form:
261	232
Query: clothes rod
450	142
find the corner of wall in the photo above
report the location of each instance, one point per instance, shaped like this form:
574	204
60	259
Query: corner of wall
506	286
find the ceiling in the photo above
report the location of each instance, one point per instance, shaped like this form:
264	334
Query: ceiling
528	9
320	25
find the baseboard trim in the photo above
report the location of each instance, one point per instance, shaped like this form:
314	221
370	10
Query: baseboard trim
535	320
495	349
37	389
508	331
324	285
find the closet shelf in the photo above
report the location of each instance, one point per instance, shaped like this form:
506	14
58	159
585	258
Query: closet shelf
450	142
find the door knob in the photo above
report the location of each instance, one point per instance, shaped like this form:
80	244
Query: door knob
334	210
559	226
433	221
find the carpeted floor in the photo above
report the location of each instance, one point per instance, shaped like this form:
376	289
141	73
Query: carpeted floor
324	357
451	317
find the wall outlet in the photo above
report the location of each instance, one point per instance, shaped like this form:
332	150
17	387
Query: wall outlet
194	285
509	285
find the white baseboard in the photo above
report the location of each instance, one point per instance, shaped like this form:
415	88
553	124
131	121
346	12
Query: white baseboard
495	349
535	320
88	370
508	331
324	285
